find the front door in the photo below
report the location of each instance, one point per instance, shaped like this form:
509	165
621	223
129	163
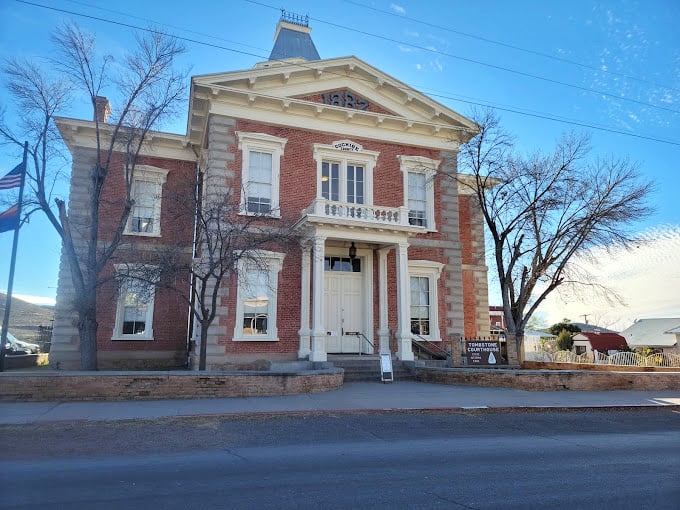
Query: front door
344	305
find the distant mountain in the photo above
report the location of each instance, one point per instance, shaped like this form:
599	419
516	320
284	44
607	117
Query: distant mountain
25	318
589	328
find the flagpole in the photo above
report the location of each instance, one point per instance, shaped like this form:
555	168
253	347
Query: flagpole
10	283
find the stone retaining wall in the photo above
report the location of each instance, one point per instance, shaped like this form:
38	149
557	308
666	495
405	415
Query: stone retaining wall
548	365
551	380
109	386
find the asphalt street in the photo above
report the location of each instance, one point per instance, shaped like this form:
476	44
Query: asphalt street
467	459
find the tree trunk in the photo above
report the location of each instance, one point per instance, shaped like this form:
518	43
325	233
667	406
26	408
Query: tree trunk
202	353
87	330
513	342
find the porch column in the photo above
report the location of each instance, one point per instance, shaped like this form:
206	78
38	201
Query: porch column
304	332
319	329
404	351
383	330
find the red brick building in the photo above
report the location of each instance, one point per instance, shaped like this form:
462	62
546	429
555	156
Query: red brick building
389	247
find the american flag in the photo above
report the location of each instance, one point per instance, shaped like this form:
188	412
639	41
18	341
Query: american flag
13	178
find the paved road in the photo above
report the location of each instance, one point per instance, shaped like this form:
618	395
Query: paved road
578	459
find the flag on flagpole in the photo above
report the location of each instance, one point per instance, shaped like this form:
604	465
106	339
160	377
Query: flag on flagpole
9	220
13	178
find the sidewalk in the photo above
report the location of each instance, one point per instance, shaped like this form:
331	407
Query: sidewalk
360	396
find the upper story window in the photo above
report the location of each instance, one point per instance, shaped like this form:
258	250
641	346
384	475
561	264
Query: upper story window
260	172
345	172
146	193
418	174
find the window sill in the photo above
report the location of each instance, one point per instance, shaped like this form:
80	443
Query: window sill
255	338
142	234
259	215
425	338
133	338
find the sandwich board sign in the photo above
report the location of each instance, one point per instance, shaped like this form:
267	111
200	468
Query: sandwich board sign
386	374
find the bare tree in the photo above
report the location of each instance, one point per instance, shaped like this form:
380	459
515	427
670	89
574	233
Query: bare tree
225	242
148	90
542	210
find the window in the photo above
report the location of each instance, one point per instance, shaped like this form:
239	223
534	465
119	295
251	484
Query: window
417	199
420	305
261	155
345	172
257	296
418	173
424	275
146	193
342	264
134	315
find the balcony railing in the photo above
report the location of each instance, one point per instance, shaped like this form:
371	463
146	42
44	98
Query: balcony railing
375	214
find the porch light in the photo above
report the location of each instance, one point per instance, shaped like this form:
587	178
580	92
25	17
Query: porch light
352	251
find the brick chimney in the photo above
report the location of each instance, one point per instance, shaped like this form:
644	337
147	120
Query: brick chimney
102	109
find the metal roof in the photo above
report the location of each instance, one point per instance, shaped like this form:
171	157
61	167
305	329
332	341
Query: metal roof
293	39
652	333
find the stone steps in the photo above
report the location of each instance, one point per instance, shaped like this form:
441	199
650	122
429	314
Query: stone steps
367	368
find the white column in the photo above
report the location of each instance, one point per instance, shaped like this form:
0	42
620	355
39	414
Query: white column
304	350
404	351
319	328
383	330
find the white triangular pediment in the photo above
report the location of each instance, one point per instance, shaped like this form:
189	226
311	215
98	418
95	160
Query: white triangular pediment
335	90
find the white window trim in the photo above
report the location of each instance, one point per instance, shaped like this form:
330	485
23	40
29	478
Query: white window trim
274	262
261	142
159	176
428	167
120	308
431	270
357	155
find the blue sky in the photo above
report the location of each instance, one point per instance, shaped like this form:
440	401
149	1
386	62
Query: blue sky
611	64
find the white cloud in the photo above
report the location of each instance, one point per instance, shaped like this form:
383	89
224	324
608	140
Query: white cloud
398	9
647	278
419	66
405	49
412	33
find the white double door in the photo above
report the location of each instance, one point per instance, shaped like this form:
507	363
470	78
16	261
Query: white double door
344	310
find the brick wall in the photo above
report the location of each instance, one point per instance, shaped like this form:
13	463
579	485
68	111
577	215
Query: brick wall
162	385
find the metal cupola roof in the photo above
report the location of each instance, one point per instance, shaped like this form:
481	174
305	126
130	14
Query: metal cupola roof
292	39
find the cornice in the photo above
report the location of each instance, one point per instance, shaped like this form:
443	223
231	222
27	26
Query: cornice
238	103
78	133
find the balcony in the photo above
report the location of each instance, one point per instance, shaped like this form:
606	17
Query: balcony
323	211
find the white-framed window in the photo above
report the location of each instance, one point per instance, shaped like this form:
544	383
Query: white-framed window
134	312
345	172
423	277
146	193
260	172
258	276
418	174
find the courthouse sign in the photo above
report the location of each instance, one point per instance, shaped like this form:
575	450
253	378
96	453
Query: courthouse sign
483	352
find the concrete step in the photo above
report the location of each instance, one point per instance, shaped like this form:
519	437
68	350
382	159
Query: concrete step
367	368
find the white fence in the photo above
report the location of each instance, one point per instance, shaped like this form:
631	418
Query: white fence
628	359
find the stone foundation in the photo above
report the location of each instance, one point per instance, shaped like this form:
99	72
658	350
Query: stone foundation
551	380
111	386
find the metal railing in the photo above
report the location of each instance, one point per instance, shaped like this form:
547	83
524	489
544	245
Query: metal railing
627	359
363	337
434	350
